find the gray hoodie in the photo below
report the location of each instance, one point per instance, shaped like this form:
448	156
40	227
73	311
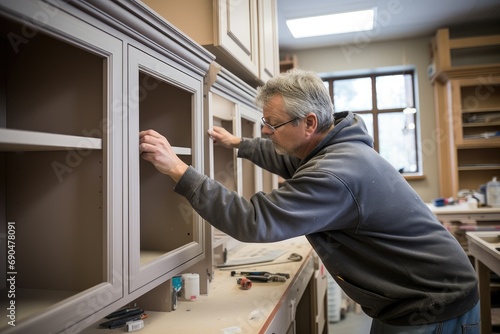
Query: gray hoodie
374	234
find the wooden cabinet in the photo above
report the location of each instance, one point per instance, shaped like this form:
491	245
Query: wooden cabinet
476	130
242	34
467	103
92	227
457	56
288	62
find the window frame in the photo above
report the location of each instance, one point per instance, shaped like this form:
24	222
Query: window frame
375	111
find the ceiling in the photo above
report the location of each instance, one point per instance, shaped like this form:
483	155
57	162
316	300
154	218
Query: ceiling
394	19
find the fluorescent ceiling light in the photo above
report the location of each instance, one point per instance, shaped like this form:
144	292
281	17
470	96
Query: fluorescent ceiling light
332	24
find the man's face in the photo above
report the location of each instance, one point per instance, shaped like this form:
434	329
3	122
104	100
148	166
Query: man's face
285	136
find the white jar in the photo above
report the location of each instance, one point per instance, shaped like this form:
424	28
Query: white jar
493	193
190	286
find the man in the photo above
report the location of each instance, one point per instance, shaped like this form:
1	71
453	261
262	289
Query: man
374	234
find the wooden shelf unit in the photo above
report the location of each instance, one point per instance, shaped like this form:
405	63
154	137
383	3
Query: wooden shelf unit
477	143
467	106
455	58
288	62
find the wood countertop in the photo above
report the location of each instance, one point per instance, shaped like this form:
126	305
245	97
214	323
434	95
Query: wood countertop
229	309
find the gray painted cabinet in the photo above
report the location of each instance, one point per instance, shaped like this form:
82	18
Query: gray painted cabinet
92	227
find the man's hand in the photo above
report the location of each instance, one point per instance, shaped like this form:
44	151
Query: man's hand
156	149
222	137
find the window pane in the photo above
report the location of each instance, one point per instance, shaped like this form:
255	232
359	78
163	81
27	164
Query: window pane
352	94
394	91
368	119
397	140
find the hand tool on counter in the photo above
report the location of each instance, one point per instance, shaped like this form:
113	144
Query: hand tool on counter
294	257
263	278
244	283
258	273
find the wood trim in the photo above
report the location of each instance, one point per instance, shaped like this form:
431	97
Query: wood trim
461	72
472	42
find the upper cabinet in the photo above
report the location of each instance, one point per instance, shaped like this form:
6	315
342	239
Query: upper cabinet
60	168
456	56
242	34
90	226
268	40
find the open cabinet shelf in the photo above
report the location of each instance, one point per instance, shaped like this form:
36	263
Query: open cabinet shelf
56	158
475	108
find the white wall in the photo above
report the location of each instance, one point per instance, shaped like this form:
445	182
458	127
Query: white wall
365	55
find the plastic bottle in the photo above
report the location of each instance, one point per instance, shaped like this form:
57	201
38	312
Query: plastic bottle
493	193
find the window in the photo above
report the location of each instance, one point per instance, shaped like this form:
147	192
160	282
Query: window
386	102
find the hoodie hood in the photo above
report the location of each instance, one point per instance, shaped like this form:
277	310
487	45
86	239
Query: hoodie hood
348	127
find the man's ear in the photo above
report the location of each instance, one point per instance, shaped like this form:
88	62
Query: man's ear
311	123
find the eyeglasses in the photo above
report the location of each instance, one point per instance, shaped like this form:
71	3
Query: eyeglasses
274	127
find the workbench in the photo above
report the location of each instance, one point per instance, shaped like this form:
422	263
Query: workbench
465	224
460	218
295	306
484	247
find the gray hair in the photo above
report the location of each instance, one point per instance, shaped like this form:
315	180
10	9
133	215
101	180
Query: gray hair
302	92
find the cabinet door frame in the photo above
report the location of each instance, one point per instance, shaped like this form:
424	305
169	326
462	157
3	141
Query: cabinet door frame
79	311
268	40
247	114
145	277
238	39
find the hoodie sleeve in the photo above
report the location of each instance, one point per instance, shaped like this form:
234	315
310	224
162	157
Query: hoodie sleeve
262	153
297	208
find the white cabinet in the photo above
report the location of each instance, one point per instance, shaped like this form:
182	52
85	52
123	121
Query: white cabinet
242	34
268	40
91	226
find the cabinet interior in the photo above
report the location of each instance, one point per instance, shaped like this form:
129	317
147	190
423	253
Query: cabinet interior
55	196
480	122
475	55
224	160
249	169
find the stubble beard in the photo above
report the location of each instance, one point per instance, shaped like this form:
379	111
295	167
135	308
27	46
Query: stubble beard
280	149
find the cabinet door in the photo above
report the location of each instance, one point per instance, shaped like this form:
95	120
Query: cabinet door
61	168
268	40
251	173
237	30
224	161
165	234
